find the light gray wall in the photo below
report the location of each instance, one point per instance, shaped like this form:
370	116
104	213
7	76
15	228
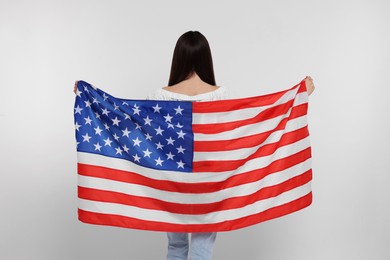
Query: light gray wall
125	48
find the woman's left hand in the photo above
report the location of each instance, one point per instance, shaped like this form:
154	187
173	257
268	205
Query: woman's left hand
309	85
75	87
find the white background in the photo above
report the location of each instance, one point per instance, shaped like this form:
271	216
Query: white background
125	48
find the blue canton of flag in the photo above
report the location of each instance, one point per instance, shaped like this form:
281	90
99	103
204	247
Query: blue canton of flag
150	133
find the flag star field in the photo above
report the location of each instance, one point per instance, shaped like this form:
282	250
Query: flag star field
160	130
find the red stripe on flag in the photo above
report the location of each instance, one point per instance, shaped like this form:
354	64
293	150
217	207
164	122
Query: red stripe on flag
128	222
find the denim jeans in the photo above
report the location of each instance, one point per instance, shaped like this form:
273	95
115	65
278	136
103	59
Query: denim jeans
200	248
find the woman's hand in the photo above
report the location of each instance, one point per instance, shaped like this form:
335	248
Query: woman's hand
75	86
309	85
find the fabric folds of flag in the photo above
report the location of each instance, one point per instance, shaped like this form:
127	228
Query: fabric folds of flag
182	166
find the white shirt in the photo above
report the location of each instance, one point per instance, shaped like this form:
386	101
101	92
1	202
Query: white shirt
162	94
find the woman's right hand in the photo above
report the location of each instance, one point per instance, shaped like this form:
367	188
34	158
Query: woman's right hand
309	85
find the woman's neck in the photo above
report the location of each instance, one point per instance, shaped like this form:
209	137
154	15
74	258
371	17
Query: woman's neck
194	85
193	81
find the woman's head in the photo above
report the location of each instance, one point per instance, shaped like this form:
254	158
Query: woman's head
192	54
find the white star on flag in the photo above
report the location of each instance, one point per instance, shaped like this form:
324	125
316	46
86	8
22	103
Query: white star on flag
180	164
147	120
147	153
86	138
88	120
97	146
118	150
126	132
159	131
77	126
105	111
116	121
170	140
137	142
170	156
98	130
179	110
78	110
156	108
180	149
125	149
136	110
136	158
181	134
168	118
107	142
159	161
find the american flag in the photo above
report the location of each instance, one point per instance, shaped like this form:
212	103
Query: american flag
183	166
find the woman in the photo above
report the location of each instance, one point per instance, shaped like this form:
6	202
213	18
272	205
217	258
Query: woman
192	78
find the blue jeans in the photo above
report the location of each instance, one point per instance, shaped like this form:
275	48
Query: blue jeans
201	247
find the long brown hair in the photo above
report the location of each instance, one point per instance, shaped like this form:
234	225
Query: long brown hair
192	54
